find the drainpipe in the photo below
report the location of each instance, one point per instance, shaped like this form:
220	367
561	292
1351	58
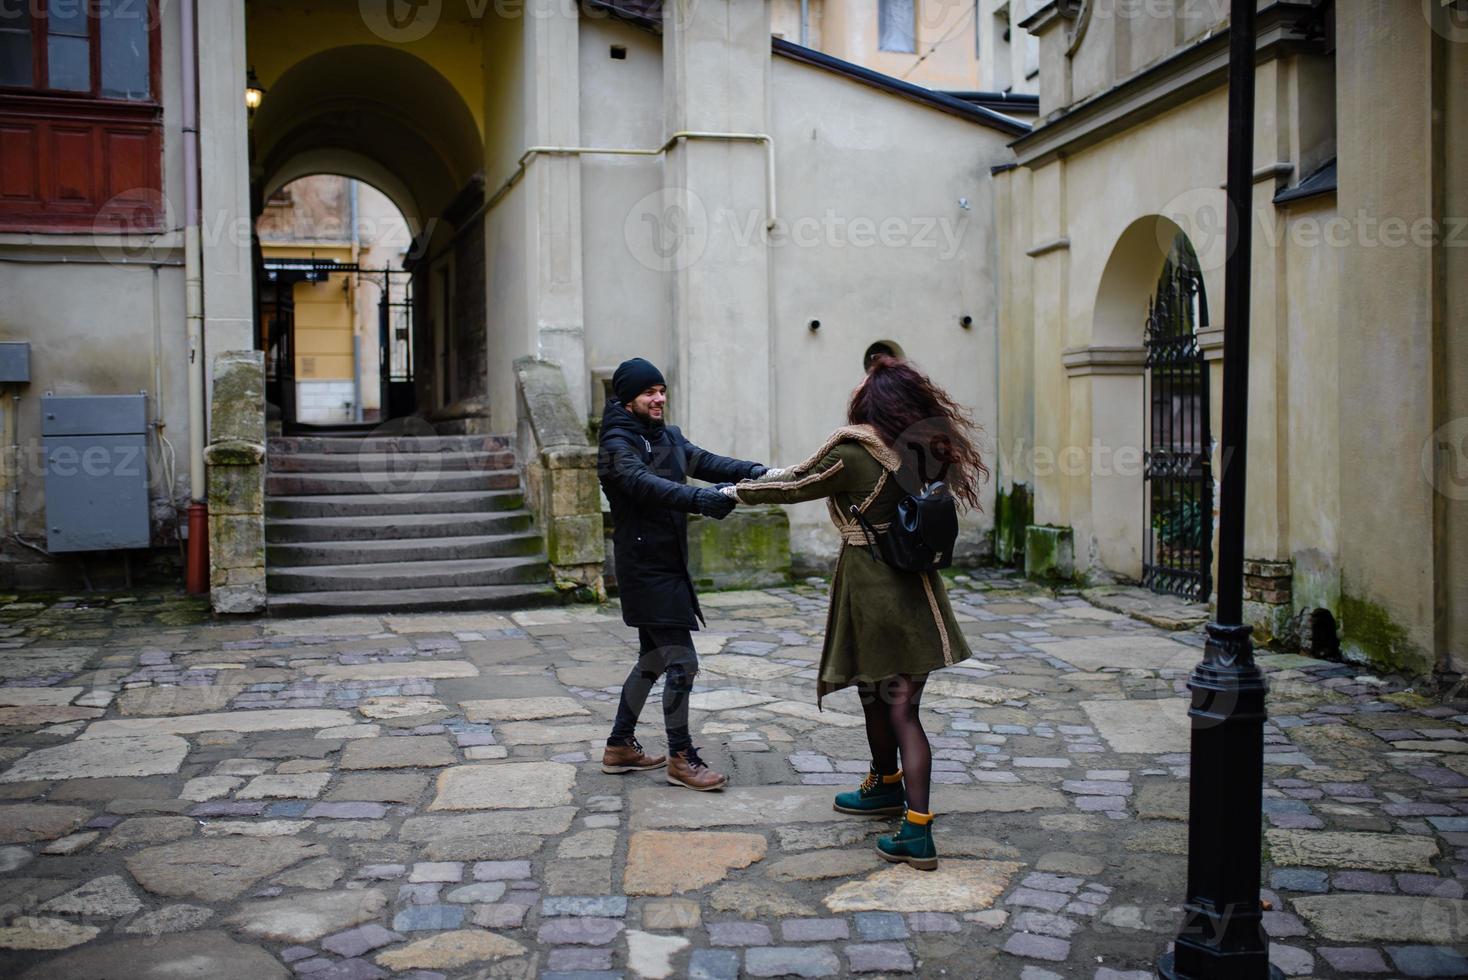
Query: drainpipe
356	300
196	570
805	23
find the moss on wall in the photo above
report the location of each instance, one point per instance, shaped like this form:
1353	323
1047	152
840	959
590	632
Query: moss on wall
1013	511
748	549
1049	552
1370	633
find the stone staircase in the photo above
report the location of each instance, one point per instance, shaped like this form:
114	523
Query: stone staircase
358	522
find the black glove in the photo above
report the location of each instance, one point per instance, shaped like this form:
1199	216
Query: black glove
712	503
756	471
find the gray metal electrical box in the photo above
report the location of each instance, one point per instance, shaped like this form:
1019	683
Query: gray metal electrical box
15	361
96	471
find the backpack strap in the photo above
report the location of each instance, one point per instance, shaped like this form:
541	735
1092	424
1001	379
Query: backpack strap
869	532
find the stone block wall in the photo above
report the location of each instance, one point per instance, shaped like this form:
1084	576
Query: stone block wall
235	458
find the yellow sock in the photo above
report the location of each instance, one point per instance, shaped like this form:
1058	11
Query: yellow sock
921	819
896	777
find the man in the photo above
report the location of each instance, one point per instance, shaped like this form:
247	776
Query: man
643	464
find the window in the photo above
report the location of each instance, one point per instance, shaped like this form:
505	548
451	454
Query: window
80	116
897	25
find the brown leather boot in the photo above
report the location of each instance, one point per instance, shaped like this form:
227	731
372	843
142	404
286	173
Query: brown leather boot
687	769
629	758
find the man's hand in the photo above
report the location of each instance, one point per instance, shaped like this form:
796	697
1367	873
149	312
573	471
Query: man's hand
756	471
714	503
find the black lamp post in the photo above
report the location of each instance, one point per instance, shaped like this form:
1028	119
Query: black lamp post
1222	936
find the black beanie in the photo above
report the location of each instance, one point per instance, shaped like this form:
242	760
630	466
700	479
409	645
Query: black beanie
634	377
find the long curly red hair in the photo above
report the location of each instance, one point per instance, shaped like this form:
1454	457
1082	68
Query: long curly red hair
932	433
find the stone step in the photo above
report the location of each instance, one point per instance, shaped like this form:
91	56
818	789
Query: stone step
327	553
404	463
373	576
371	527
415	600
387	504
425	482
290	445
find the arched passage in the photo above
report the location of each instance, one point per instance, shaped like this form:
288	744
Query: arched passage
365	111
386	117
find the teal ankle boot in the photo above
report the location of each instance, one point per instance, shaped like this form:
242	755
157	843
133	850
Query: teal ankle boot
912	845
874	798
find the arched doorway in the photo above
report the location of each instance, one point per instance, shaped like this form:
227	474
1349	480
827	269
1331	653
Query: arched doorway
335	303
1177	473
384	120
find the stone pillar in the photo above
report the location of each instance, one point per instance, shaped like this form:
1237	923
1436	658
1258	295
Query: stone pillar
553	188
236	480
560	477
229	305
716	63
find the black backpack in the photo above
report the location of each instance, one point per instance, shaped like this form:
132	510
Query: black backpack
922	535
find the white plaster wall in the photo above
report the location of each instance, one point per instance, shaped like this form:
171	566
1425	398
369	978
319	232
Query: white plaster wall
848	152
627	300
506	235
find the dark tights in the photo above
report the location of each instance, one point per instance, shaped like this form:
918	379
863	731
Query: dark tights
893	727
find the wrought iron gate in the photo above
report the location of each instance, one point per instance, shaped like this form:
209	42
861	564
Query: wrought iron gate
1178	478
276	330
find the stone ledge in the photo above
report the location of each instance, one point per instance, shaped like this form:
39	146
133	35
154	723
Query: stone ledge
234	452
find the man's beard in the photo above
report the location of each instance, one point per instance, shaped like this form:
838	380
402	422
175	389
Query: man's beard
646	418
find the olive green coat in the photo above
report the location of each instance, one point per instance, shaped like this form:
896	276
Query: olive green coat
882	621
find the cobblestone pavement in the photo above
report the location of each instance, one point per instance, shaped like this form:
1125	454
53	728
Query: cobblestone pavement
419	796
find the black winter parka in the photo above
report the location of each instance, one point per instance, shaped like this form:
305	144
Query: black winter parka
642	469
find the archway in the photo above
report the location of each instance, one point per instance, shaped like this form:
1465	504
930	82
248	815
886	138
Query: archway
387	119
1178	498
1120	389
335	302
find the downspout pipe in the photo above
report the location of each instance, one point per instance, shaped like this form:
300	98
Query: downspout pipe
354	287
196	571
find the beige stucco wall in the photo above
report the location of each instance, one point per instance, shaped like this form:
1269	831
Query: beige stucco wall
847	153
1451	602
1014	432
1396	356
1310	367
848	30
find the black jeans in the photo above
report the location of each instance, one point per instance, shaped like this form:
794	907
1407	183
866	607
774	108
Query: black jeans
668	653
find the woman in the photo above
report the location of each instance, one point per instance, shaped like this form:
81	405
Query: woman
887	629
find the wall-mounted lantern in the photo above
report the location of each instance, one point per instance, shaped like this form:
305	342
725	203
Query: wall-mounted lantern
254	93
